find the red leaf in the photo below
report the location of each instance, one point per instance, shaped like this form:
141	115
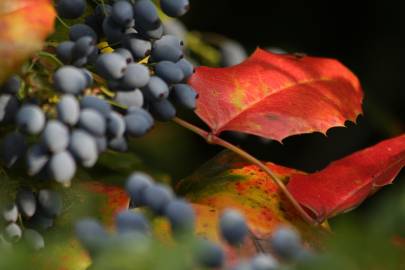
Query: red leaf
275	96
345	183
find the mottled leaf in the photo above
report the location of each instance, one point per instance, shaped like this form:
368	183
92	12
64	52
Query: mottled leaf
24	26
229	182
276	96
345	183
95	199
113	199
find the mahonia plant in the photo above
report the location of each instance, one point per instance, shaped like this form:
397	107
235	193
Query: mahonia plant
97	74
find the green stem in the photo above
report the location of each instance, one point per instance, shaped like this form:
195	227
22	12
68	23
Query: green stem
62	22
31	66
50	56
213	139
104	10
106	92
20	221
118	105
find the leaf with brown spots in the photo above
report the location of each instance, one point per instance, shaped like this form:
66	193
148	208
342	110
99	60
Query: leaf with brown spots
24	26
229	182
276	96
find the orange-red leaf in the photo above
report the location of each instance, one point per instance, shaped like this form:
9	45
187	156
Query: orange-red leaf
24	25
345	183
275	96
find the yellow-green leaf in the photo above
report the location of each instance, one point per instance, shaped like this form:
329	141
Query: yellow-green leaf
229	182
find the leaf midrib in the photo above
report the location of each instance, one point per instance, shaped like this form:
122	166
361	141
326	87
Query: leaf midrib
249	106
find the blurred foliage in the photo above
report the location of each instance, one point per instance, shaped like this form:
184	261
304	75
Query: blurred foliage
376	242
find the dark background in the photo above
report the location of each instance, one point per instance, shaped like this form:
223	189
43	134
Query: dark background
367	36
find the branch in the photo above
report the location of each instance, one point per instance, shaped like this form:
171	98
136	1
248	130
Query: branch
191	127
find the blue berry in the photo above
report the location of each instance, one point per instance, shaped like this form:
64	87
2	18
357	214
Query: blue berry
68	110
13	148
209	254
10	213
96	103
93	122
26	202
91	234
233	227
12	85
111	66
36	159
127	222
175	8
62	167
181	216
264	262
157	197
50	202
30	119
71	9
286	243
136	185
33	239
69	80
81	30
55	136
122	13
